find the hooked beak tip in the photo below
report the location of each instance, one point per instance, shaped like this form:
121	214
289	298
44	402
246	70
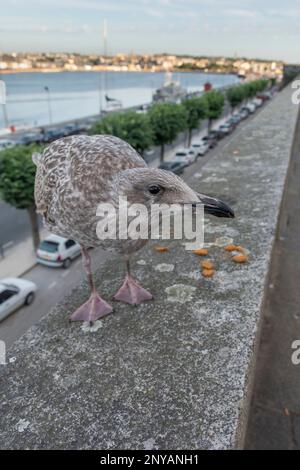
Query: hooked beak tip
216	207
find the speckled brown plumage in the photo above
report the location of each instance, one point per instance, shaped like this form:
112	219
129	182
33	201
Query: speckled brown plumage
74	175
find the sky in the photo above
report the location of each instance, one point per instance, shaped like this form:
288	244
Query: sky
251	28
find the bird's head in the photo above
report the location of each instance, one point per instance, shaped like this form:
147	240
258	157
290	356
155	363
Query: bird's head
153	186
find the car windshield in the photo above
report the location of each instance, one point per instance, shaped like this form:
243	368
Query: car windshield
49	246
10	286
180	154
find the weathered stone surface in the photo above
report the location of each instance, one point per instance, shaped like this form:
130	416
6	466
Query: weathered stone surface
173	373
275	404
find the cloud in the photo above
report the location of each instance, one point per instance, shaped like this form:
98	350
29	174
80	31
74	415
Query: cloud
154	12
241	13
41	28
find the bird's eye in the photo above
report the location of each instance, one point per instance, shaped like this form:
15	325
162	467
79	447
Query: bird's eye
154	189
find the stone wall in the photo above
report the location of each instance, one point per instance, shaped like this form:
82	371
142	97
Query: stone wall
176	372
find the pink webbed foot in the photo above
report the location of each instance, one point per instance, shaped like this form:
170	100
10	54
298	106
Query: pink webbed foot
132	293
91	310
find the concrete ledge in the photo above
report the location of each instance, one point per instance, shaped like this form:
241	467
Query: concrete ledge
174	373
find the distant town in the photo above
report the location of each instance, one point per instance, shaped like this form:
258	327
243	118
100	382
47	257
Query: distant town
57	62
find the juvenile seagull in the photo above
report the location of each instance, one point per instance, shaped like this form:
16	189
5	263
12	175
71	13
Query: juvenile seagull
75	174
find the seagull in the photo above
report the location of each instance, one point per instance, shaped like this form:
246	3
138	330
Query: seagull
77	173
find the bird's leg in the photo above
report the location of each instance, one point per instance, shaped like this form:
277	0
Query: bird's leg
95	307
130	291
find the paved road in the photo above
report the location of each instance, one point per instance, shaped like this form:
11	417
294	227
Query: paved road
14	224
54	283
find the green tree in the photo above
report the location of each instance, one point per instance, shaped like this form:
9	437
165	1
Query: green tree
214	104
130	126
250	89
167	121
254	87
195	111
17	174
235	95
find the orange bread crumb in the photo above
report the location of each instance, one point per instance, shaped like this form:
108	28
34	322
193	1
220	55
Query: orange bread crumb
208	272
161	249
240	258
231	247
207	265
201	252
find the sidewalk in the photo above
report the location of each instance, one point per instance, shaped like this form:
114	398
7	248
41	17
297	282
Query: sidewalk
18	259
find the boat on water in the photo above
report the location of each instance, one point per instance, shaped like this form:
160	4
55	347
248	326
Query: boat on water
170	92
112	104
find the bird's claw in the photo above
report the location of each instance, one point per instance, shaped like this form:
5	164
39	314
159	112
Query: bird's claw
92	310
132	293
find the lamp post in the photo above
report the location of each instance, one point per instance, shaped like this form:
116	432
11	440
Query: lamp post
49	103
3	101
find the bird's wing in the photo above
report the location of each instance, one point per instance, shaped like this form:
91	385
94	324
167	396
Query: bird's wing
80	168
95	160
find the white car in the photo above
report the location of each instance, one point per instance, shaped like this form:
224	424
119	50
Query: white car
200	148
257	102
57	251
251	107
6	144
186	155
15	293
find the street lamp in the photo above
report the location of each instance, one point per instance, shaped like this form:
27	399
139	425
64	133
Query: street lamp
49	103
3	101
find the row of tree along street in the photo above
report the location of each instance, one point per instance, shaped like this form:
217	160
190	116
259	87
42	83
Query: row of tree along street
163	122
159	126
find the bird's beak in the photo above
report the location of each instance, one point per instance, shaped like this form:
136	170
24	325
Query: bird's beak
215	206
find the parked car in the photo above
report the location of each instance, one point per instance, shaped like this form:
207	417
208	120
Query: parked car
175	167
257	102
251	107
200	147
188	154
70	129
235	119
83	127
14	293
266	95
184	159
6	144
233	122
225	129
52	134
210	140
214	134
244	112
30	138
57	251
